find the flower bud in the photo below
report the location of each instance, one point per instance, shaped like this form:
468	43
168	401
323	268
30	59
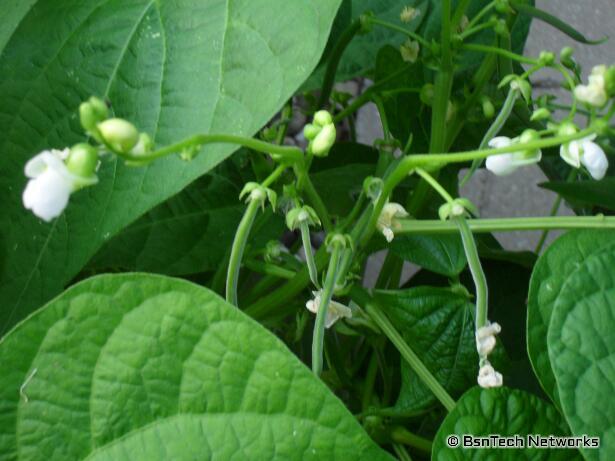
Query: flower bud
310	131
82	160
546	58
528	135
565	56
501	28
119	134
540	114
488	109
609	81
523	86
143	146
322	118
92	112
502	6
323	141
427	94
409	51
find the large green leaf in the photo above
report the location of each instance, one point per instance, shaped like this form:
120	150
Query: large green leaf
174	68
142	367
561	259
438	325
582	349
501	411
598	193
187	234
442	254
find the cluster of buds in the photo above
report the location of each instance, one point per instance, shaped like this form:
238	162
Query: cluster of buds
321	134
485	343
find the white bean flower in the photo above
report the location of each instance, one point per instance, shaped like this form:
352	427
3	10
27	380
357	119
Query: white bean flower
594	93
587	153
387	221
488	377
51	184
504	164
334	312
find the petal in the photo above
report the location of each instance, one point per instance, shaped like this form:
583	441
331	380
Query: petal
570	153
595	160
47	195
38	164
500	141
501	164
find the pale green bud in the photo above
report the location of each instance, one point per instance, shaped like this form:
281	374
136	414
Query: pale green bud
323	141
541	114
92	112
565	56
119	134
488	108
609	81
82	160
322	118
144	145
427	94
546	58
310	131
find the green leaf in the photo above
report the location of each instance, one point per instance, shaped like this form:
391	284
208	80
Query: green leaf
582	349
598	193
188	234
442	254
560	25
502	411
142	367
439	326
174	69
560	260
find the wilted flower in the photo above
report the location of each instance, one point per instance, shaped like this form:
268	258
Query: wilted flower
488	377
334	312
387	219
408	14
594	93
410	50
485	338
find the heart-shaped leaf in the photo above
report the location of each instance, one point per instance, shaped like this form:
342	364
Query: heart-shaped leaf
550	273
582	349
505	412
438	325
173	68
142	367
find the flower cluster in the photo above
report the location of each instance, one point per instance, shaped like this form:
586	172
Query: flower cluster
321	134
485	343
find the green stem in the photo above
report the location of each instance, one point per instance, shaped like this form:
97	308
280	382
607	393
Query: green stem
309	255
473	30
239	244
433	182
459	12
499	51
269	269
314	198
289	153
401	30
370	380
402	435
407	164
374	311
321	316
494	129
334	60
479	226
481	14
401	452
478	275
553	212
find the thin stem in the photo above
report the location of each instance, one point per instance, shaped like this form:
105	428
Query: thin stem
290	153
309	255
401	30
473	30
479	226
458	14
494	129
376	314
270	269
370	380
334	60
435	184
402	435
571	85
275	174
401	452
239	244
314	199
478	275
500	51
481	14
323	307
553	212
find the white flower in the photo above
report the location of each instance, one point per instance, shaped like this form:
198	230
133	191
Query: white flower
408	14
587	153
410	51
387	219
485	338
504	164
594	93
488	377
334	312
50	184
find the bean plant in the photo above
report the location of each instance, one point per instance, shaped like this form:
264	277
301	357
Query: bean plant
190	218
